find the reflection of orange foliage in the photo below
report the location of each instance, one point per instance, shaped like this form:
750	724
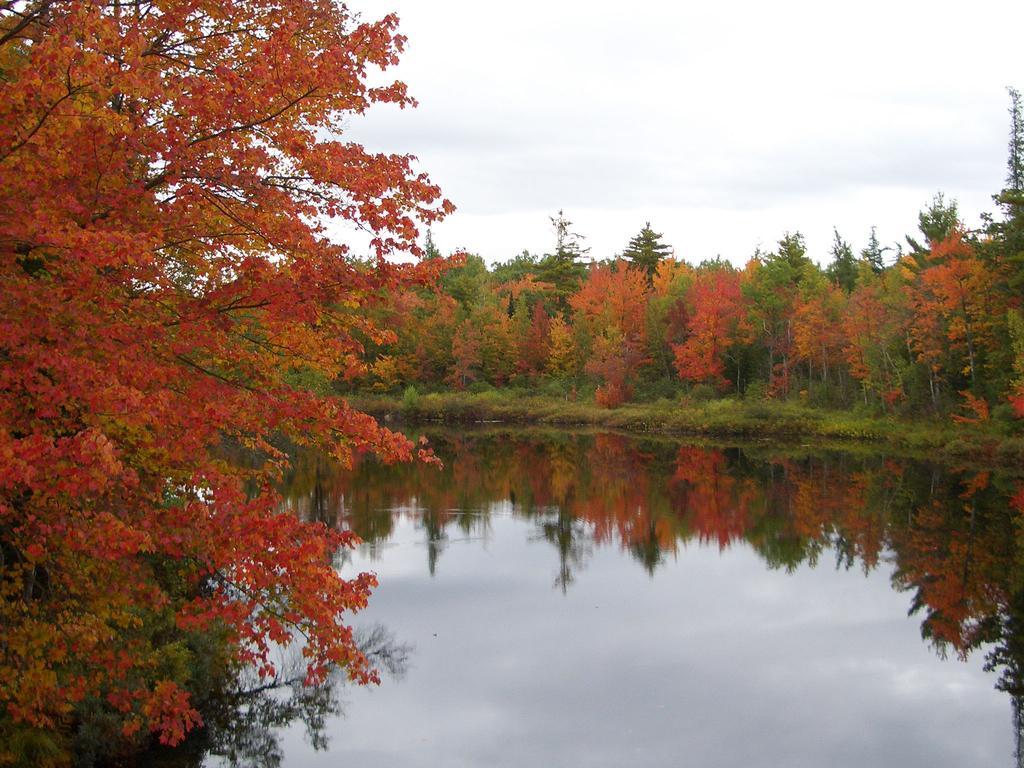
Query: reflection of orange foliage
951	567
1017	502
1017	401
618	500
861	527
973	485
707	496
948	552
812	514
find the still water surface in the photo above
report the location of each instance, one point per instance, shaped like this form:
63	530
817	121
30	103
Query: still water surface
597	600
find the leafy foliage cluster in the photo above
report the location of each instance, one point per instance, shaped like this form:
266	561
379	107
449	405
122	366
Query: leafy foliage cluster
168	291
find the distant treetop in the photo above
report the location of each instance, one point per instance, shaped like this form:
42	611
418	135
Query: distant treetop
646	250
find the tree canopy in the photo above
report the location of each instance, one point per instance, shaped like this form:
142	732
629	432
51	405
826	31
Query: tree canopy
171	296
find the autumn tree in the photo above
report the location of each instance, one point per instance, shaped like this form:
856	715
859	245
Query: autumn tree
953	310
818	331
613	360
715	323
466	355
609	315
165	171
772	289
1015	320
561	350
667	317
498	342
875	338
536	343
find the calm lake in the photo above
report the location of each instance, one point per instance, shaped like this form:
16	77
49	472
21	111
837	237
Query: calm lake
552	599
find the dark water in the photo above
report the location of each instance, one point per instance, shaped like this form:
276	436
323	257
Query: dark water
597	600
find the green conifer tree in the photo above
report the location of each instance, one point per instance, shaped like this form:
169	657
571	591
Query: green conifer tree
564	269
1007	236
936	223
874	253
843	269
645	251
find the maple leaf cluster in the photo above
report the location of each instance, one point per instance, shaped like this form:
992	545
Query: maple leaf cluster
168	287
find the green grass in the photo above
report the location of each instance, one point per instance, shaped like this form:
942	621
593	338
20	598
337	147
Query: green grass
990	442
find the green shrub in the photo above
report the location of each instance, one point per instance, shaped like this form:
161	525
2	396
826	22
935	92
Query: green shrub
410	398
659	389
756	392
554	388
760	410
703	393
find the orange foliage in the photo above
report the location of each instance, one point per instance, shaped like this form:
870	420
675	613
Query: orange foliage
714	324
977	409
610	307
953	306
165	165
536	346
817	328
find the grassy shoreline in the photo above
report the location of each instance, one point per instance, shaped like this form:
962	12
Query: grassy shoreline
982	443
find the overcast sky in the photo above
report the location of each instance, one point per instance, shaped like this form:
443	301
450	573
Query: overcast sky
724	124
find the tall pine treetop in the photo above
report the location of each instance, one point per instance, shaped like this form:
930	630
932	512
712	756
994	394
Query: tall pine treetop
563	269
873	253
842	271
645	251
1015	159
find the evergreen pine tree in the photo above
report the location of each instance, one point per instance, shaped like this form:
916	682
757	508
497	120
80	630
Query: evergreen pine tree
791	258
843	269
430	250
1007	236
1015	160
936	223
564	269
874	253
645	251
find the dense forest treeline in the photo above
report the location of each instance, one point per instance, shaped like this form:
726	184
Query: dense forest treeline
934	326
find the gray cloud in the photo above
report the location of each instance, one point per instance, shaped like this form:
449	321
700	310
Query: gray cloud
722	114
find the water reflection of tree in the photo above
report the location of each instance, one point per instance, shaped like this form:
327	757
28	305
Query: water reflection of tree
571	538
951	537
648	549
242	726
437	538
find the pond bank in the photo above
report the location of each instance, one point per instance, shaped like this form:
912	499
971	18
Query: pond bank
987	443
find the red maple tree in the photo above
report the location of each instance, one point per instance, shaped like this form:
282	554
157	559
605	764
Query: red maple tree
169	290
610	308
714	323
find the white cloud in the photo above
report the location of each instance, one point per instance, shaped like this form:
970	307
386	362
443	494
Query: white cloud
724	124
